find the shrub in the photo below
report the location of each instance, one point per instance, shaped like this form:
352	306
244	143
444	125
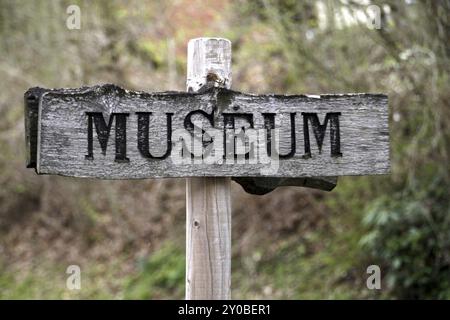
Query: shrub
409	236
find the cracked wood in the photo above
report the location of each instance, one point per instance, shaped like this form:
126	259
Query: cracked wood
62	119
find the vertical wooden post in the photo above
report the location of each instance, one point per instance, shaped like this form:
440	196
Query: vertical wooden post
208	200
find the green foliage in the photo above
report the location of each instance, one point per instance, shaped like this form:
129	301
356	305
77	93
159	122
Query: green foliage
161	275
409	235
408	223
320	264
29	284
154	51
278	46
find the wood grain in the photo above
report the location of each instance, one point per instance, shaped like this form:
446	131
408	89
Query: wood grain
208	238
208	199
31	103
62	136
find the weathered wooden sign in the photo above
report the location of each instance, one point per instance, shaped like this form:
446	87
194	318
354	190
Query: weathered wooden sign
112	133
261	141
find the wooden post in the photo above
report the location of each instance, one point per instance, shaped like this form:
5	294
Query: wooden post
208	200
67	134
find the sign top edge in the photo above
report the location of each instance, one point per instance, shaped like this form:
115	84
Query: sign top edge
104	88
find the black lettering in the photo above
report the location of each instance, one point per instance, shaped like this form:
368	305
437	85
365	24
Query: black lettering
319	132
103	130
143	135
189	126
229	121
269	125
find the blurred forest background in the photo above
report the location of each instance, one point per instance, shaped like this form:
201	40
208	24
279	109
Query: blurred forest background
128	237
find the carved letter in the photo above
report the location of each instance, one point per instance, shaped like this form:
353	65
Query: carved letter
143	143
319	132
229	120
269	125
190	126
103	131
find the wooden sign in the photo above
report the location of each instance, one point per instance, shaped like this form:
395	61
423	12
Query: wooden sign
112	133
